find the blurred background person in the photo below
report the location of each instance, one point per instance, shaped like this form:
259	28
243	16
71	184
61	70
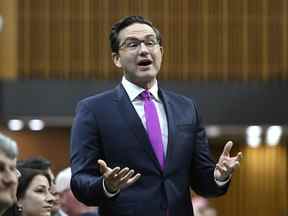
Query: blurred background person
8	172
41	163
198	203
208	211
201	206
69	205
34	197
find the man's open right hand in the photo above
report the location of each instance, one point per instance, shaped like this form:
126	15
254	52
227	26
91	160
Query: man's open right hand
116	179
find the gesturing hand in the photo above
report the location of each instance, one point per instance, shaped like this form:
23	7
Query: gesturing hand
226	164
116	178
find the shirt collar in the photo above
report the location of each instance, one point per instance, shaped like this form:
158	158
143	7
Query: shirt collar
133	90
62	213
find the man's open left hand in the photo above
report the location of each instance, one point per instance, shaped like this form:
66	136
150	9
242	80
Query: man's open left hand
226	164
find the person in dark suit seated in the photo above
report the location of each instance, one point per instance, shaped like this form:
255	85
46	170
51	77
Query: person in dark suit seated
149	143
8	173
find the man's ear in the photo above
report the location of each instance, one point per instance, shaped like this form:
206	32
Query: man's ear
116	60
162	51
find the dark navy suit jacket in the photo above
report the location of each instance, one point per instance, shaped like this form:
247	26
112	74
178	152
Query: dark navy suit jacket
107	127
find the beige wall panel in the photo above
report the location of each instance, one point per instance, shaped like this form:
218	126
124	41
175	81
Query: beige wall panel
8	39
236	38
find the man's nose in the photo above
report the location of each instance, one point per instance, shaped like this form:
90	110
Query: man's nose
143	49
10	178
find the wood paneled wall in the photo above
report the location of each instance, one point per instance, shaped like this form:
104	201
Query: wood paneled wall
41	143
203	40
260	186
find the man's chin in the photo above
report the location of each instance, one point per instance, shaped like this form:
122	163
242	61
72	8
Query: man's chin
141	77
146	75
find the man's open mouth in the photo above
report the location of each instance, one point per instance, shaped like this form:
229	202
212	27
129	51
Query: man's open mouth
144	62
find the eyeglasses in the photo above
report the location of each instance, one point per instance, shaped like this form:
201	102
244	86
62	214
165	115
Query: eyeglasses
134	44
18	173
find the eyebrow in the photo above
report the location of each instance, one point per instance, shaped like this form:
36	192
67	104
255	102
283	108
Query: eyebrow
134	38
41	186
4	163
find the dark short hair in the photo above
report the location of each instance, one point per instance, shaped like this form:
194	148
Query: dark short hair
125	22
37	162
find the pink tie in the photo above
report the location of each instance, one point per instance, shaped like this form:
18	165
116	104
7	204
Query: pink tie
153	126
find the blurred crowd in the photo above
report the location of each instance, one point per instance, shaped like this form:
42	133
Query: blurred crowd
29	187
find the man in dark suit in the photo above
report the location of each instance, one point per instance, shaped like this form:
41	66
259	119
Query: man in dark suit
137	149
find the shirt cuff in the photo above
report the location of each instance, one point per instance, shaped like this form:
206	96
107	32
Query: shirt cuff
108	194
222	183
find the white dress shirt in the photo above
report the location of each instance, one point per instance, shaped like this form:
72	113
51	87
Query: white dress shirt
134	92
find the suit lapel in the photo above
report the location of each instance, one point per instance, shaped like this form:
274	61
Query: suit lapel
134	123
171	128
